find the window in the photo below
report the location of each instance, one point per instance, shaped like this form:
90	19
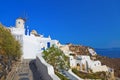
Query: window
48	44
18	22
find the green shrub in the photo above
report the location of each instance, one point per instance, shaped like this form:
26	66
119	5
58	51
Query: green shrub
90	75
56	58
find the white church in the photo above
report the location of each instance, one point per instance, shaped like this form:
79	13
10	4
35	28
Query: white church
32	42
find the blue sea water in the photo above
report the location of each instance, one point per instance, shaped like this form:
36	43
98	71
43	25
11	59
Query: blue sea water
110	52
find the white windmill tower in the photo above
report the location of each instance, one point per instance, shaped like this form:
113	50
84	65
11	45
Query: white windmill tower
20	23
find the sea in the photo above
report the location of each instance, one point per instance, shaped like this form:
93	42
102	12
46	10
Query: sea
109	52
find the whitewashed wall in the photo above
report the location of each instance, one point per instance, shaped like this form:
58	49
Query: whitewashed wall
45	69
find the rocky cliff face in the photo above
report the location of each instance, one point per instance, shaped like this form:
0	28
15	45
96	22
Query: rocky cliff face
79	49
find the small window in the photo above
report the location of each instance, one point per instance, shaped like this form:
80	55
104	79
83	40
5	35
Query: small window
18	22
48	44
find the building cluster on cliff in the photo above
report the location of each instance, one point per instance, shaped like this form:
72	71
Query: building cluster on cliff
34	43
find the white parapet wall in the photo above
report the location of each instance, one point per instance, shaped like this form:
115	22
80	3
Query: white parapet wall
46	70
100	68
70	71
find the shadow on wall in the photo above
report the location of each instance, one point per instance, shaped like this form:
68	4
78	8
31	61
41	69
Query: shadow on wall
36	74
24	79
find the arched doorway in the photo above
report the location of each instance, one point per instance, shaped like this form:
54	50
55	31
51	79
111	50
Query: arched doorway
78	66
83	67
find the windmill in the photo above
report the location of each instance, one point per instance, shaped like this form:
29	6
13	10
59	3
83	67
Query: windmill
25	18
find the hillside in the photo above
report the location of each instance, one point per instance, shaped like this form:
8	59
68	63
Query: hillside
80	50
110	62
10	51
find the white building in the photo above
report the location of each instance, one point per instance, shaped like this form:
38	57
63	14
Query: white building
85	64
31	43
65	49
92	52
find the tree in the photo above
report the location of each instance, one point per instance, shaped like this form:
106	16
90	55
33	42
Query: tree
9	47
56	58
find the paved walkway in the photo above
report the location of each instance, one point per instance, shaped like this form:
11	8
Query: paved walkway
23	71
68	75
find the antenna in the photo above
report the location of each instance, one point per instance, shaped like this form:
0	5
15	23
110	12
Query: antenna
24	16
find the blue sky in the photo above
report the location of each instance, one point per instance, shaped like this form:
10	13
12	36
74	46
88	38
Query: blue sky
93	23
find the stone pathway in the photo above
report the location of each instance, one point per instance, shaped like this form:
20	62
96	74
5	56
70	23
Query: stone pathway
21	71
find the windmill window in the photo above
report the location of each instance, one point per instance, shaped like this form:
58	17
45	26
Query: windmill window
18	22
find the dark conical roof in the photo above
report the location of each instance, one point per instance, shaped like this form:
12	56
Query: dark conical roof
22	18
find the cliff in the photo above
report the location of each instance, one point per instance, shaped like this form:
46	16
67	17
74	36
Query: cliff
82	50
110	62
